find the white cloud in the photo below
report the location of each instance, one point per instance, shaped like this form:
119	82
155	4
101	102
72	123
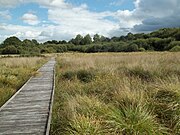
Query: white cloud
126	18
148	15
30	19
41	33
21	32
156	14
117	3
9	3
5	15
70	20
80	20
157	8
45	3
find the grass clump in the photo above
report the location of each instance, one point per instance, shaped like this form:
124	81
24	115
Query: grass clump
166	101
87	116
141	73
131	120
85	76
82	75
69	75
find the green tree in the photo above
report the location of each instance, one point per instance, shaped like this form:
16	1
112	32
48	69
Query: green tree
177	35
48	50
132	48
115	39
77	40
97	38
12	41
27	42
35	42
10	50
86	40
130	36
63	42
173	44
105	39
175	49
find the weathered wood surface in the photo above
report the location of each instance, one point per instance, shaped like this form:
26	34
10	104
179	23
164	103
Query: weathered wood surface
28	112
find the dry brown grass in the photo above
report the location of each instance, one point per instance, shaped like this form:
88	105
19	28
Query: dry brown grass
14	72
128	93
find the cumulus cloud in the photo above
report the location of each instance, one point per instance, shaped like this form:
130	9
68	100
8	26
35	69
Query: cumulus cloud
156	14
147	16
30	19
80	20
20	31
157	8
152	24
70	20
127	19
41	33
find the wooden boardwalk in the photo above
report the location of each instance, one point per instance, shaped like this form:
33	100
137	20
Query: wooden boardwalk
28	112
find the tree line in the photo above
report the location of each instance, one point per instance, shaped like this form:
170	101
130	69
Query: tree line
166	39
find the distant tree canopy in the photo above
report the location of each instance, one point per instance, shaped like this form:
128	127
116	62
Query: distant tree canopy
10	50
166	39
97	38
80	40
12	41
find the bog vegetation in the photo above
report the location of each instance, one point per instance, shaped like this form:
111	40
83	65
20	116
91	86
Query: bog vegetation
167	39
104	93
14	72
117	94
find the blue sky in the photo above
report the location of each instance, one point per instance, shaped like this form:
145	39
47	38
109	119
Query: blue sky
104	5
63	19
42	12
20	10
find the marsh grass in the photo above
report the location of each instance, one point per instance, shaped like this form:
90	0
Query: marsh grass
82	75
14	72
128	94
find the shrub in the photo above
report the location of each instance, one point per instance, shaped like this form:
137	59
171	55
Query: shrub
61	48
132	48
175	49
94	48
173	44
1	50
10	50
48	50
142	49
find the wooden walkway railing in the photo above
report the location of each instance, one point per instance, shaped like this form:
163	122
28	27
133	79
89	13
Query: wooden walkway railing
28	112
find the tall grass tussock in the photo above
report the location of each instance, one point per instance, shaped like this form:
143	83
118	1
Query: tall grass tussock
117	94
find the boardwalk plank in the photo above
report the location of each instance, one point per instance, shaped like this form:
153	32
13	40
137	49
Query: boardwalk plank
28	111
